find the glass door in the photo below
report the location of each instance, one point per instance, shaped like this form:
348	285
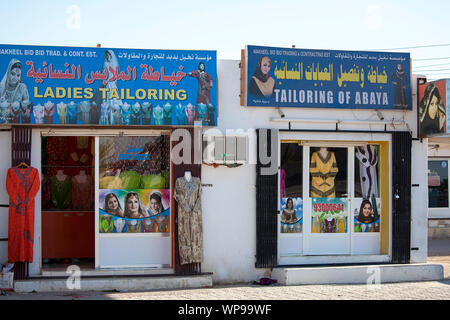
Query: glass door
330	201
327	201
366	201
291	199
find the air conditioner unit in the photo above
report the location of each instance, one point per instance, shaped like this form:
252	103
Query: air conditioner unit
225	149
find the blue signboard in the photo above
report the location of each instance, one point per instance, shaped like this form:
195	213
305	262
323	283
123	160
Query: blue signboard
278	77
100	86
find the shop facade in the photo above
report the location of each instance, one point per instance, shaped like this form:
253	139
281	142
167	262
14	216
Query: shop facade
98	130
251	198
263	203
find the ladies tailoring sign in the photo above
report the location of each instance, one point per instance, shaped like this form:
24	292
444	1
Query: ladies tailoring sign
277	77
98	86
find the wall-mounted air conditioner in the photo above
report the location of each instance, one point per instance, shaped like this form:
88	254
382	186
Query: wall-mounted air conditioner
225	148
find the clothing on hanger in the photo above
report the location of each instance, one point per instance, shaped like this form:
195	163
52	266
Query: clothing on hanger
22	185
190	236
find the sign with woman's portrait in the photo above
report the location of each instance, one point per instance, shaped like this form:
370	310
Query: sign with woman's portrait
432	108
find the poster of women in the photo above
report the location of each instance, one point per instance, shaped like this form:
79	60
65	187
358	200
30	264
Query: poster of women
134	210
329	215
291	218
367	215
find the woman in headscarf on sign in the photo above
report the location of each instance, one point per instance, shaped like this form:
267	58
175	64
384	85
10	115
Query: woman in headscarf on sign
431	111
110	64
13	91
261	83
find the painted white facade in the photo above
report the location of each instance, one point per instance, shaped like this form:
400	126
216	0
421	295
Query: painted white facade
229	205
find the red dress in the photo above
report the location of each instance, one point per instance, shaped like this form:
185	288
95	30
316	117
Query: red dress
22	185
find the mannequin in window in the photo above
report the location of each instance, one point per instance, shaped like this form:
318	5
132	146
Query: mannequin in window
323	169
60	190
82	191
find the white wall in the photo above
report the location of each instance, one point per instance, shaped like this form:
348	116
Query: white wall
229	205
419	202
34	268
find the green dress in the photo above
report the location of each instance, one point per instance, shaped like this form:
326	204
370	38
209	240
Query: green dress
60	192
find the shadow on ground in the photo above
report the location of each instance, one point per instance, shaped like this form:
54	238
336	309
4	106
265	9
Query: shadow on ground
439	252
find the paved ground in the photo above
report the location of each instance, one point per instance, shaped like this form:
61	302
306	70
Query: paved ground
430	290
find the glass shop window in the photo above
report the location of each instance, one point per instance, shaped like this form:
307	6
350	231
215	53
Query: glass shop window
328	172
438	184
291	188
67	173
367	171
134	183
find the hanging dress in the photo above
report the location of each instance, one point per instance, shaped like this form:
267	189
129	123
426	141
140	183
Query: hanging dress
323	172
22	185
190	237
367	156
60	192
82	194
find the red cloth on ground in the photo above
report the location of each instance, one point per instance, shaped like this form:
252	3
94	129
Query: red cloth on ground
22	185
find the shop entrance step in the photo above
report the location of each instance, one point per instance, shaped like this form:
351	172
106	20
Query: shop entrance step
112	283
358	274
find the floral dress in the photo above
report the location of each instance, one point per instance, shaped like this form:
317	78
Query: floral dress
190	236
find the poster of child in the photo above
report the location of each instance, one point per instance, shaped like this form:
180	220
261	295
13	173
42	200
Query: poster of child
291	215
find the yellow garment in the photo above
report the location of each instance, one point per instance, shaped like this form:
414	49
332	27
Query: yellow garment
341	225
316	225
110	182
323	172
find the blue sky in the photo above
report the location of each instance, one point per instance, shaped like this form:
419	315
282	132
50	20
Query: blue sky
227	26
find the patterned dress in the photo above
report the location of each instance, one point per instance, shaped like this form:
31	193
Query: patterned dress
22	185
323	172
60	192
190	236
82	194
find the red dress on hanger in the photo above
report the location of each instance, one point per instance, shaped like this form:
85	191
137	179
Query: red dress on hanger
22	185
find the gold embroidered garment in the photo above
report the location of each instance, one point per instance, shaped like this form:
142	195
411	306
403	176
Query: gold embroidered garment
265	87
190	237
323	173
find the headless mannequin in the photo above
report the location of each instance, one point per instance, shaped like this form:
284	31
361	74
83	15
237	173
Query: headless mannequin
60	175
323	152
187	176
81	177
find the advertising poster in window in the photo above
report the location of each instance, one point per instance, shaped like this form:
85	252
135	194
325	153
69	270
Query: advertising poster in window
283	77
134	210
433	112
134	184
104	86
367	215
291	215
329	215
